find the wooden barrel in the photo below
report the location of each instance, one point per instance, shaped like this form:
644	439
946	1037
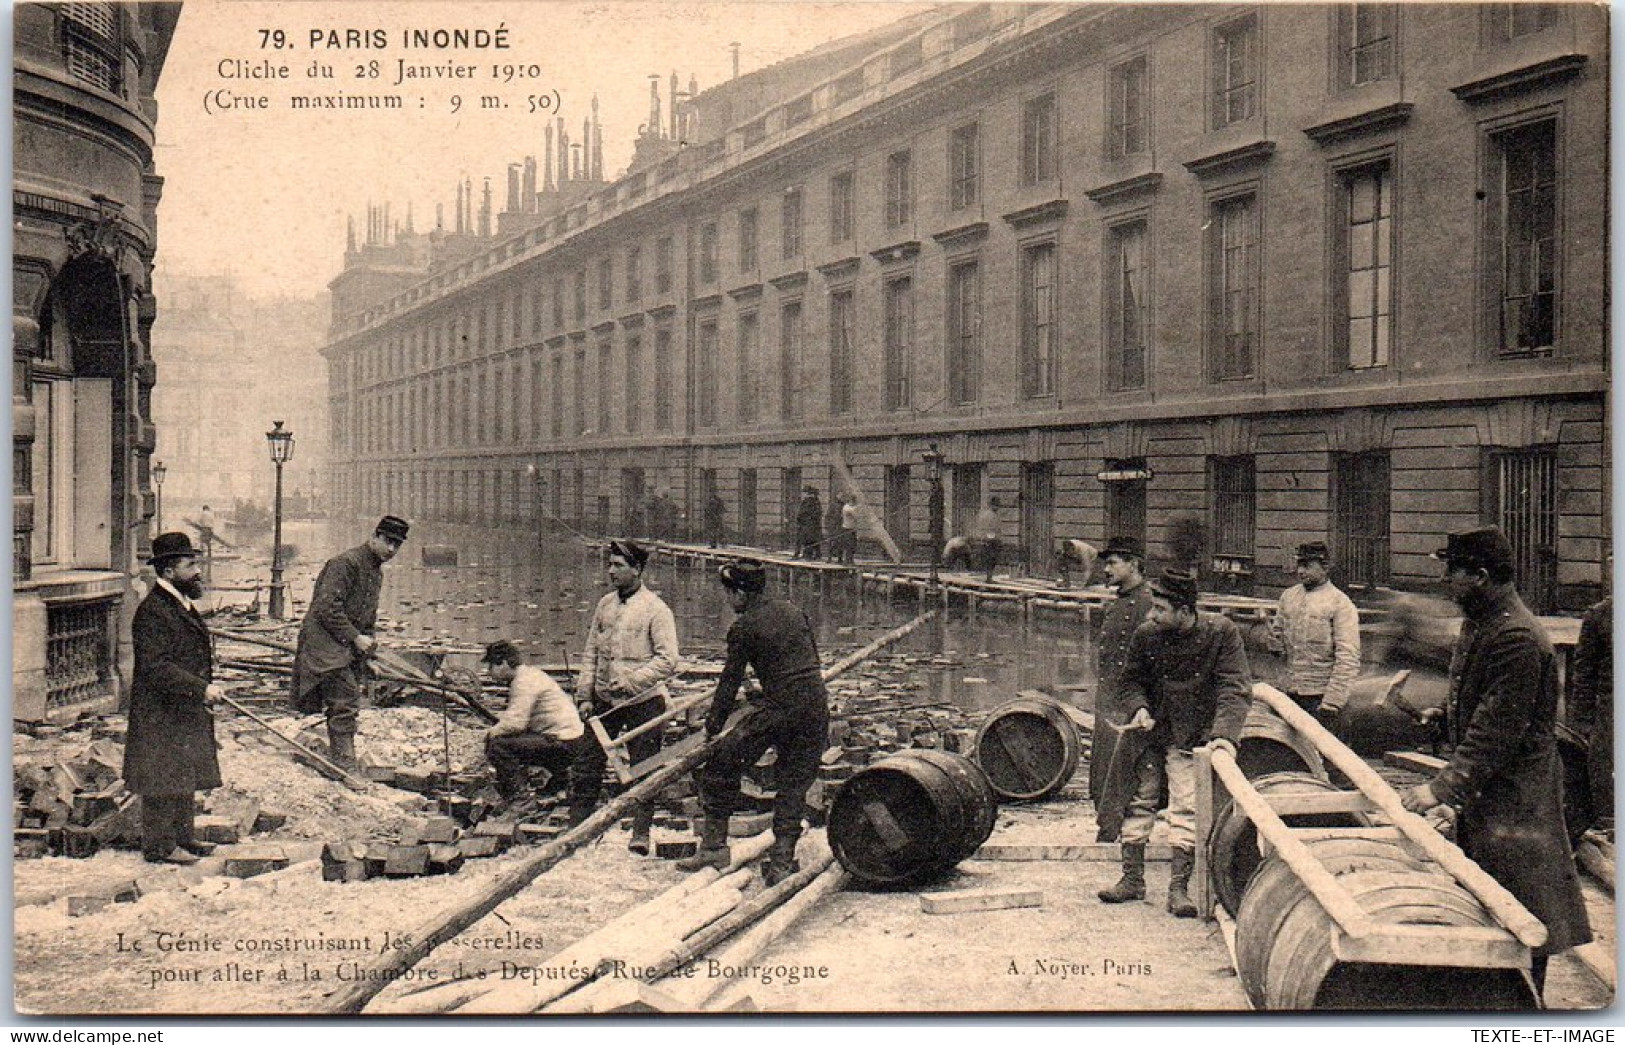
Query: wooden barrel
1235	856
911	817
1268	745
1284	938
1028	748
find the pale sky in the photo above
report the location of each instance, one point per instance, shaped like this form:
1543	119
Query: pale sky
264	194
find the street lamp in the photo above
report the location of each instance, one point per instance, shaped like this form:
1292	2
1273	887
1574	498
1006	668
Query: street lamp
935	510
158	473
281	441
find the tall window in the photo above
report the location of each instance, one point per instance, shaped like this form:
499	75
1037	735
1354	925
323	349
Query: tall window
1233	287
1128	305
1365	42
1038	333
632	390
790	223
634	275
840	351
899	341
1235	71
1523	500
747	240
964	332
1235	511
90	41
663	379
749	373
1367	265
708	253
1525	217
606	283
1525	18
663	252
841	205
558	306
1360	496
580	302
706	373
1038	139
581	391
1130	87
606	381
789	359
899	188
964	166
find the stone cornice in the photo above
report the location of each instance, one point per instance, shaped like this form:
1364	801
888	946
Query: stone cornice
1126	188
1523	78
1038	214
1365	122
1231	159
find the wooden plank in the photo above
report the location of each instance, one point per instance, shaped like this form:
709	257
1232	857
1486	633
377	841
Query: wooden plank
1597	961
1377	834
980	900
886	827
1319	802
1415	761
1086	852
1448	945
1201	879
1594	862
1227	929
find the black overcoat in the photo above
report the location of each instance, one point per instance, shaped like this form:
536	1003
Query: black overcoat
170	748
1504	775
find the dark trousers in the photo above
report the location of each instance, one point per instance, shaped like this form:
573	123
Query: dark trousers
166	822
799	733
587	771
511	755
340	696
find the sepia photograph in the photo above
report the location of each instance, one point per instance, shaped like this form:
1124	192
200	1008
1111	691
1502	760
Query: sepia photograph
610	507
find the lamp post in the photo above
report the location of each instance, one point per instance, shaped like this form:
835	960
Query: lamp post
281	441
158	473
935	509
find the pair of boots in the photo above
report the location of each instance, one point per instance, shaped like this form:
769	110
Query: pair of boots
341	746
781	858
1132	885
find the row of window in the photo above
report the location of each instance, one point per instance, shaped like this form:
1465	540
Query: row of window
1523	286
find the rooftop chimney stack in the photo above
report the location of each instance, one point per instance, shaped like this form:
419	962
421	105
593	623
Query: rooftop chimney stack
513	189
547	161
485	210
672	106
735	49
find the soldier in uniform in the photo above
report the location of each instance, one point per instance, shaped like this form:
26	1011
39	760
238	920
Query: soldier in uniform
775	640
1124	563
1503	777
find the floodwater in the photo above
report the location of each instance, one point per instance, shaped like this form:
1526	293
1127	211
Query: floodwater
539	591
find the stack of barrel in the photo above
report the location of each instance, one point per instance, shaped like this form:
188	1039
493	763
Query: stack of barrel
1284	939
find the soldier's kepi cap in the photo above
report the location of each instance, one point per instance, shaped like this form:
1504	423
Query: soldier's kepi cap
393	527
743	575
634	553
1123	548
1177	586
1485	548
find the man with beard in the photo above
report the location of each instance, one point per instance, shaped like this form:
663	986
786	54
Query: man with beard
631	652
335	638
1504	778
1123	563
1317	631
1186	682
169	750
776	640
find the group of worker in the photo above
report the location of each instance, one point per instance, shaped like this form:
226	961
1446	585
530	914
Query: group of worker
1173	679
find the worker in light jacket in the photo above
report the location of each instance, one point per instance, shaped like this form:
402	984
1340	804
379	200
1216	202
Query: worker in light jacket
1503	777
1317	631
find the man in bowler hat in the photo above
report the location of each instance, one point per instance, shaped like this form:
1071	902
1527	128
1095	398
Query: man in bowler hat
335	638
169	751
1503	777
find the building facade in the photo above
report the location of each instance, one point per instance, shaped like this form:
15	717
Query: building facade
84	205
1329	272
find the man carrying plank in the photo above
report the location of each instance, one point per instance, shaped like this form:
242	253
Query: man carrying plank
631	652
776	640
1186	681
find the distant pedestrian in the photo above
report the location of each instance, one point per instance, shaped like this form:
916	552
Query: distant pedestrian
335	638
169	752
987	533
810	525
847	548
716	516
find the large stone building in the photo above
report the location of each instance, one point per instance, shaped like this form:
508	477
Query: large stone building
84	201
1307	271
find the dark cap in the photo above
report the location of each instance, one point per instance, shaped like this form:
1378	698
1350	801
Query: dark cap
1315	550
393	527
1123	548
1177	586
1485	548
167	546
501	652
743	575
634	553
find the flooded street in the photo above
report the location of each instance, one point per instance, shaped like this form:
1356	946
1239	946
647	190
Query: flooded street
540	590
